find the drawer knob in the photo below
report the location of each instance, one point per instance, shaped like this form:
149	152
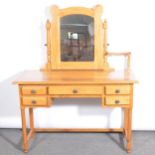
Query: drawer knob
117	91
33	91
117	101
33	102
75	91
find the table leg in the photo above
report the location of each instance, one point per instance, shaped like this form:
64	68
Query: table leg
31	121
129	131
125	122
25	139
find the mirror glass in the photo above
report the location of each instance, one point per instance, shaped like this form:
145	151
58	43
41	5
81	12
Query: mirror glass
77	38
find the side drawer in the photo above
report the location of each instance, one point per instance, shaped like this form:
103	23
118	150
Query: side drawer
34	101
75	90
34	90
117	89
117	100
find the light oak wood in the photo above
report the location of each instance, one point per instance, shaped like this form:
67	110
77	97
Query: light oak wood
105	26
75	96
53	39
94	79
76	10
30	135
118	53
77	130
34	101
129	131
31	118
117	100
48	34
60	84
129	123
34	90
125	122
117	89
75	89
74	77
25	137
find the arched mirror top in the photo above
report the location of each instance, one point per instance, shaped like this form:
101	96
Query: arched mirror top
77	10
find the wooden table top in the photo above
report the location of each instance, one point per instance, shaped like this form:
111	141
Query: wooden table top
74	77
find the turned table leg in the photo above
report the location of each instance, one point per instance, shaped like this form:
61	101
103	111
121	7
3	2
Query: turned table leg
25	139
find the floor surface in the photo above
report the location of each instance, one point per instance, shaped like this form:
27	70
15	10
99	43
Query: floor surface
76	143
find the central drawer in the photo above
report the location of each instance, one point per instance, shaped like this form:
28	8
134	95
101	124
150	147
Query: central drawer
81	90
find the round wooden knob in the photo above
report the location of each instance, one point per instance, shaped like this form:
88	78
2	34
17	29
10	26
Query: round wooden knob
117	91
117	101
33	91
33	102
75	91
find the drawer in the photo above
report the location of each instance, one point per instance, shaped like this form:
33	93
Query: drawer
34	90
117	89
75	90
34	101
117	100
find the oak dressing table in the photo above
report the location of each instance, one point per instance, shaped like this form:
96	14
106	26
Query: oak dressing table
77	67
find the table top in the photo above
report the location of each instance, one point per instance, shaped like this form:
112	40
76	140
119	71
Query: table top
74	77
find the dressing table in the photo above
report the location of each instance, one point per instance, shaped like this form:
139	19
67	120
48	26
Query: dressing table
77	67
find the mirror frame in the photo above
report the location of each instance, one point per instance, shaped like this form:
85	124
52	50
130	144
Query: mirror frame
53	40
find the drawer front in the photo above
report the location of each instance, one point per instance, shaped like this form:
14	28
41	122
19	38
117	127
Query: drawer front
75	90
34	90
117	100
118	89
34	101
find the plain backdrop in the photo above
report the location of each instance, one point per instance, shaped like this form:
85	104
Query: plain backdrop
131	27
